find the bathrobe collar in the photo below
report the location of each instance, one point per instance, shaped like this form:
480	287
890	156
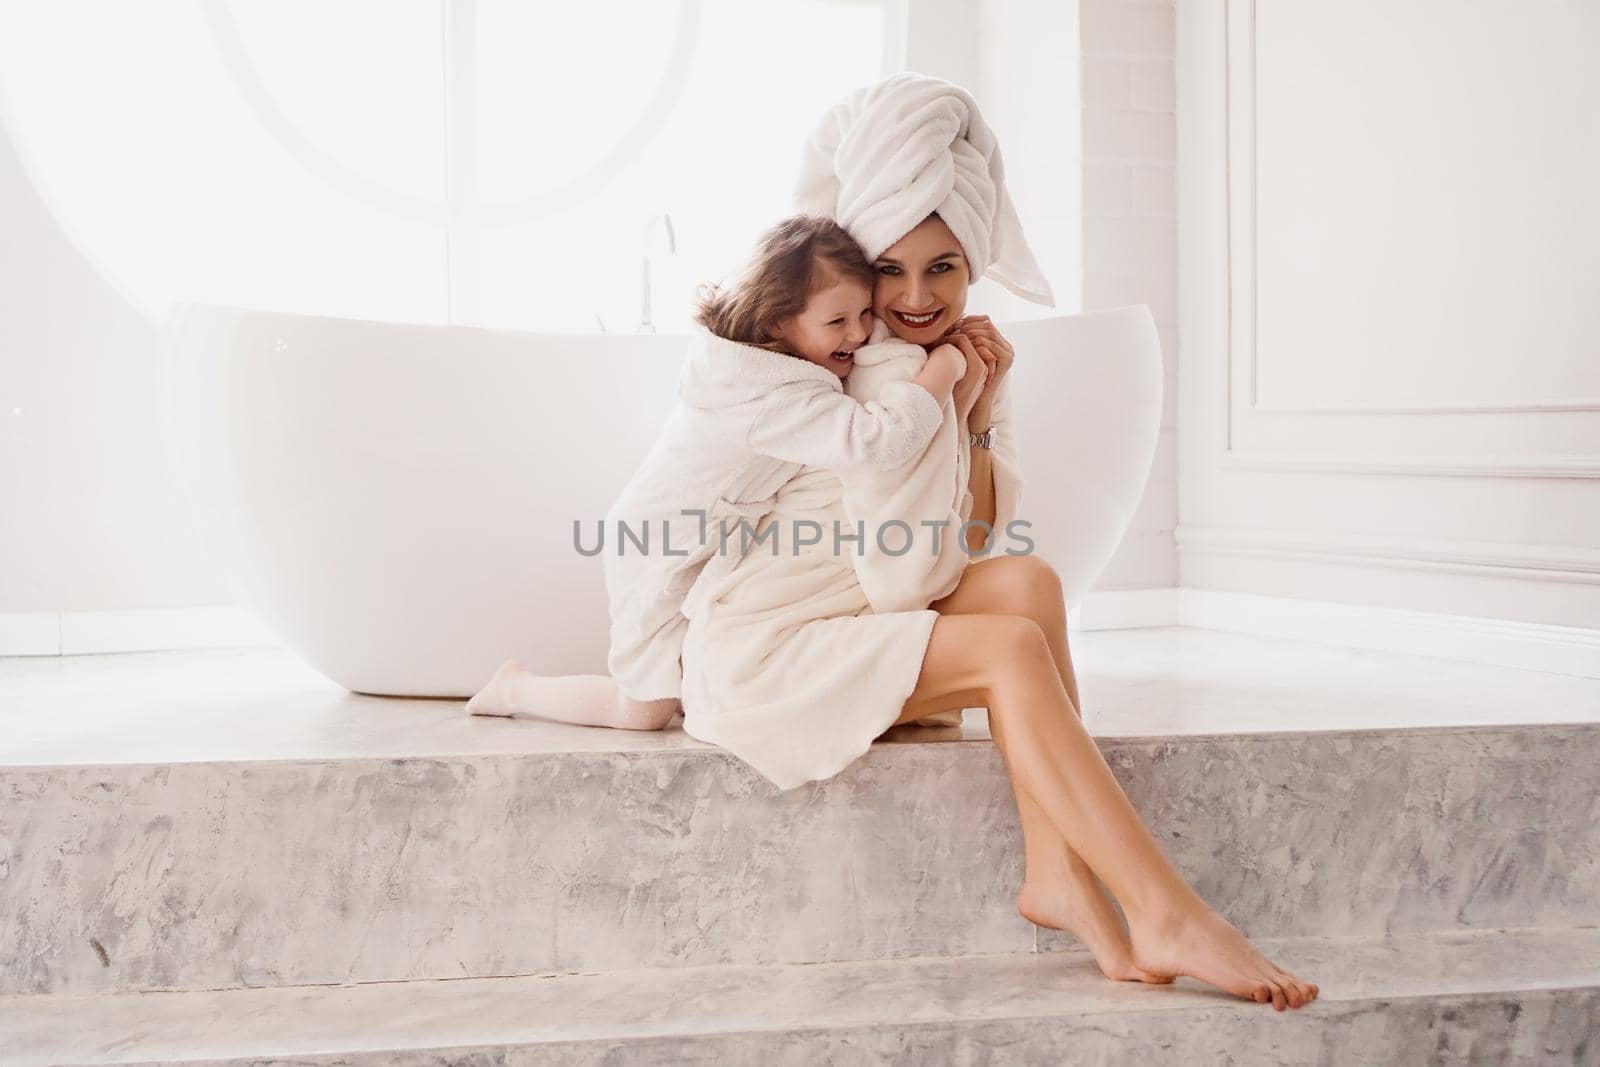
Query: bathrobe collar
883	345
722	373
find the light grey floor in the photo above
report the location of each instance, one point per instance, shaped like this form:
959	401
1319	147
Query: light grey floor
264	703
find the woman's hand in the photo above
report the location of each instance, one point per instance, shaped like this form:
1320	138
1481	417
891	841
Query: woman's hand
995	351
974	381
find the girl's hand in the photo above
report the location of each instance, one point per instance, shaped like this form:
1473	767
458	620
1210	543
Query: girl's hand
974	381
996	352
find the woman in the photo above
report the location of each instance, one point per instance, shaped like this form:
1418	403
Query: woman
881	163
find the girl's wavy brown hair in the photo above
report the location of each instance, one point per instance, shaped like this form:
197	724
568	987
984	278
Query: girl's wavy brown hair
793	259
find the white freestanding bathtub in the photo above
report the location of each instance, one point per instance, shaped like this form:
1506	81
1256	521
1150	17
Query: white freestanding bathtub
397	501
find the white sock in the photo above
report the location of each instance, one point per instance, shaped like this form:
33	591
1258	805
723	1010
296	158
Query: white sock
584	699
633	714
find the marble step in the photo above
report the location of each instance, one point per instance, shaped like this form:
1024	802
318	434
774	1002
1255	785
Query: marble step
659	851
1492	996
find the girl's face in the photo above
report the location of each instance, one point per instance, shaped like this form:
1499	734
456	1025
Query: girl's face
922	283
836	321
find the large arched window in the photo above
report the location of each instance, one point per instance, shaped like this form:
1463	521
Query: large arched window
488	162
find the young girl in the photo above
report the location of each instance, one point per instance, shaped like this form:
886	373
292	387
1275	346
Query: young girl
760	396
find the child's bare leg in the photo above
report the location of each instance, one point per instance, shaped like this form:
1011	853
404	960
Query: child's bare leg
1058	890
584	699
1005	661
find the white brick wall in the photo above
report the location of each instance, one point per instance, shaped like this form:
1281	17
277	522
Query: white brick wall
1099	197
1130	233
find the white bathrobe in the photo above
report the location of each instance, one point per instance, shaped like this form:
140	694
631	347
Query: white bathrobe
796	660
912	565
746	422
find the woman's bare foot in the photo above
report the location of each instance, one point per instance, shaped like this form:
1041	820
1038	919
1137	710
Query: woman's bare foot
1073	902
1202	944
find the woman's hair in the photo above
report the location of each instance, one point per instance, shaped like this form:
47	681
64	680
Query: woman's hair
795	258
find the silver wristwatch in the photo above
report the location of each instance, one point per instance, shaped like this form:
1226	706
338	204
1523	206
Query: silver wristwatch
981	440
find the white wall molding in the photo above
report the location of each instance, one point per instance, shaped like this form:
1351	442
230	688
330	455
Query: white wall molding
1245	11
1526	466
1250	427
1314	373
1530	407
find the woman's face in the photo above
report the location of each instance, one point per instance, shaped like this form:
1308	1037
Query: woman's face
921	290
836	320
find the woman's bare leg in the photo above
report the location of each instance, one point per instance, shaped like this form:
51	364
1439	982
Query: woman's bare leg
1005	662
584	699
1058	890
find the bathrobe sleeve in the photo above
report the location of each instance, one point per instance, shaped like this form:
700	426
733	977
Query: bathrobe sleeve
926	489
1005	462
809	422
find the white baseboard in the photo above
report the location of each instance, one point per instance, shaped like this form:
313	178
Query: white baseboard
1507	643
1125	609
1529	646
81	633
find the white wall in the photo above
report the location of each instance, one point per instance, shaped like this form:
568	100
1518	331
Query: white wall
1130	231
94	525
1082	98
89	521
1019	58
1389	256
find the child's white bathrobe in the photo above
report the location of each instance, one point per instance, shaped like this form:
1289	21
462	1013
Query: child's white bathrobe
747	420
797	660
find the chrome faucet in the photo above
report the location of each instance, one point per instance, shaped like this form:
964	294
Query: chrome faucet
646	323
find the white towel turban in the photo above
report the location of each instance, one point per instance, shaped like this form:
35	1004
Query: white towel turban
891	154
